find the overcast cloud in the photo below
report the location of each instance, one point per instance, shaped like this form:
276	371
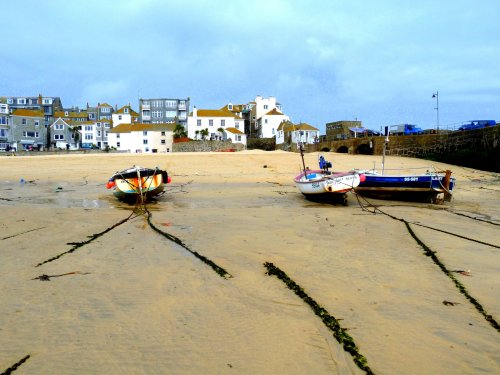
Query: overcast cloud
375	61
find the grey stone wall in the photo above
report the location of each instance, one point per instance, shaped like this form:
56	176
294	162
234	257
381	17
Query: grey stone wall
206	146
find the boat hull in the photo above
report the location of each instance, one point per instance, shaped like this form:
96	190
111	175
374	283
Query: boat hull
404	187
134	183
319	182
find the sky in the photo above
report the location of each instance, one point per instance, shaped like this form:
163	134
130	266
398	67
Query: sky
375	61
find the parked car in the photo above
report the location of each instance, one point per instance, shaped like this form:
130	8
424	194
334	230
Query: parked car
477	124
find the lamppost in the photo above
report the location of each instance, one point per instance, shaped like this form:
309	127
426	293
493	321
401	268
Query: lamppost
436	95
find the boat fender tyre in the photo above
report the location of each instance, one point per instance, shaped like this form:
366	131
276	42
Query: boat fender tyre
164	176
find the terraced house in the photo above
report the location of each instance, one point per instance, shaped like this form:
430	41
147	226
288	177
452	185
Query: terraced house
4	127
28	131
64	134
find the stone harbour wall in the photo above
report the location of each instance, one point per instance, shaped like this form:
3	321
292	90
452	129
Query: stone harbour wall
207	146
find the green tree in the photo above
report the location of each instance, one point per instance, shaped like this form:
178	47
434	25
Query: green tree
179	131
204	133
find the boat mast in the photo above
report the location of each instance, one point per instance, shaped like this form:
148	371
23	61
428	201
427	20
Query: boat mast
386	141
302	156
139	184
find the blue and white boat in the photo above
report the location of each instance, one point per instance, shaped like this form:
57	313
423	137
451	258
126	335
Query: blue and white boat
401	185
415	187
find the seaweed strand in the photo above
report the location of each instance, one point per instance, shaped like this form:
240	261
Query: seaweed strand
329	321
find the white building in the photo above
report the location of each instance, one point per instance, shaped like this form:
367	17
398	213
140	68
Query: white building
294	133
235	136
139	137
215	122
125	115
265	115
269	122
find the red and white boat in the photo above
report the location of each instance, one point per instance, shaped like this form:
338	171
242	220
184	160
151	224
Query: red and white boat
138	183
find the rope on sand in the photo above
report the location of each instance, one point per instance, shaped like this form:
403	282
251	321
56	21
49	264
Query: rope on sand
15	366
432	254
77	245
329	321
219	270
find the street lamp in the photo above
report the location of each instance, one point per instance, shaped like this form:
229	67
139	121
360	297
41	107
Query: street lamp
436	95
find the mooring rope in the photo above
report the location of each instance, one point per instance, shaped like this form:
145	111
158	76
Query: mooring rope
14	367
329	321
428	252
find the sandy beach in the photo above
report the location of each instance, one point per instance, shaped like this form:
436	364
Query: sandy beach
124	299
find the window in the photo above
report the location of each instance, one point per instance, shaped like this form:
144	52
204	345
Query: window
21	101
265	106
118	136
4	120
222	122
23	121
145	133
10	101
59	137
98	133
170	113
98	124
238	138
117	144
163	134
91	116
210	122
144	141
124	111
31	134
237	125
105	109
89	137
119	117
88	128
198	122
171	103
162	141
59	127
37	123
47	101
157	114
265	121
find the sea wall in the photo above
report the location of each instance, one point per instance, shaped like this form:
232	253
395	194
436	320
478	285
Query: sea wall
207	146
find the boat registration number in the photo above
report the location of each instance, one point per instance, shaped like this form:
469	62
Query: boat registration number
411	178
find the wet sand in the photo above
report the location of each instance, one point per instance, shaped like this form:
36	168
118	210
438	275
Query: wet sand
131	301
